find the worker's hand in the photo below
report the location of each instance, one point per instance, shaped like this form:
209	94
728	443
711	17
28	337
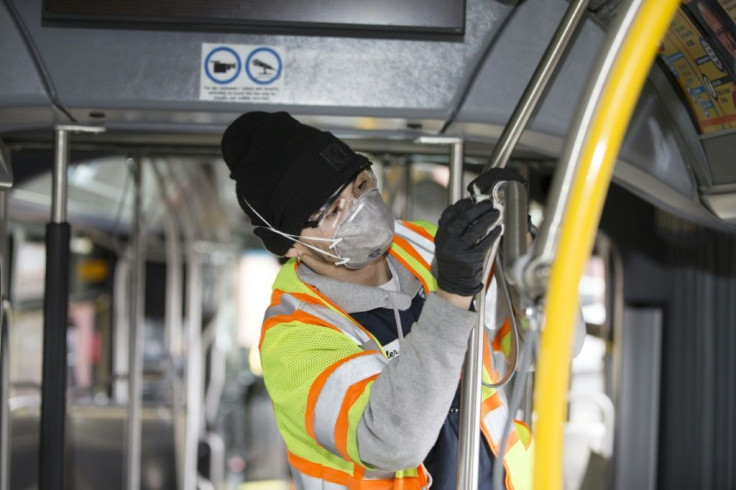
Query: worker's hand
484	183
466	232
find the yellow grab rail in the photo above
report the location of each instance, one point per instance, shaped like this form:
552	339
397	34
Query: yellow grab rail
589	188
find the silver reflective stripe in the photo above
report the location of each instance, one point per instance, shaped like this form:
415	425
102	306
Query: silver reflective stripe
289	304
347	327
333	392
499	364
423	246
306	482
494	422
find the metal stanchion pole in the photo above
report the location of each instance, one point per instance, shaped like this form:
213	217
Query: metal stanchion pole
194	367
173	317
55	308
135	332
6	182
4	347
457	154
470	404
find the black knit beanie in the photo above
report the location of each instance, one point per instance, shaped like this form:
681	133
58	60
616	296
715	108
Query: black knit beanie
285	170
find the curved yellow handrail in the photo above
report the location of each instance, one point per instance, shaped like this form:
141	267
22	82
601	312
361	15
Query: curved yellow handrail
598	156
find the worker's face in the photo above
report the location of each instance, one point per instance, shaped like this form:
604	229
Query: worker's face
721	31
323	224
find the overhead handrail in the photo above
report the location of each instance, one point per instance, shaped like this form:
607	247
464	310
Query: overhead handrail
630	50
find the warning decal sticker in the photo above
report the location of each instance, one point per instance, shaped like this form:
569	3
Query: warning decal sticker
241	73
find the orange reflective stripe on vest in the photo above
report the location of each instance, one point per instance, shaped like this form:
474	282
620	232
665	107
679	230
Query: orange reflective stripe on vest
314	476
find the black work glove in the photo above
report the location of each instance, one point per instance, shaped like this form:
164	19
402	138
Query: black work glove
485	182
466	232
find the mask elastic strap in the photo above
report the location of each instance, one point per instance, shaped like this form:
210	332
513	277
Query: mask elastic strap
341	261
295	238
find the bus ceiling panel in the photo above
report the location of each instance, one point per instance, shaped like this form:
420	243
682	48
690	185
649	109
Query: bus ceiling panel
513	59
23	98
661	139
161	70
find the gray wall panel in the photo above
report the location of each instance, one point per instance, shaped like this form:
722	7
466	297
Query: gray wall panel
638	405
697	448
689	272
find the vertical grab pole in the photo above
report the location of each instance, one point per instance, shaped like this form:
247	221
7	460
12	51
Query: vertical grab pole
6	182
470	385
515	220
457	153
4	395
55	309
194	367
173	311
135	332
472	370
4	348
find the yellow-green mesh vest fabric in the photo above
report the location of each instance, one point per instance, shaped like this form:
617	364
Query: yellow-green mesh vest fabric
306	339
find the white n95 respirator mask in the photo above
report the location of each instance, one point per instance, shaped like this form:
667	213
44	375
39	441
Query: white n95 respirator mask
365	233
363	229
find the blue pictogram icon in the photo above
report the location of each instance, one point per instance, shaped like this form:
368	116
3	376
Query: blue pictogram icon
222	65
263	66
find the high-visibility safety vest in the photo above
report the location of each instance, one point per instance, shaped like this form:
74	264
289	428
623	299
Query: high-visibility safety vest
319	365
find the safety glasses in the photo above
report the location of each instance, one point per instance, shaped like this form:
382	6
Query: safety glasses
363	181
